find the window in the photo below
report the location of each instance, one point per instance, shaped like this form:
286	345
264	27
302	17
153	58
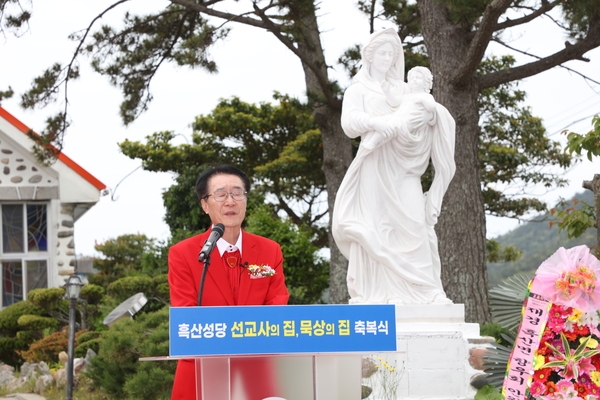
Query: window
24	250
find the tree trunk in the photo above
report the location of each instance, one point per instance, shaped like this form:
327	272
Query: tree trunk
337	148
594	186
461	227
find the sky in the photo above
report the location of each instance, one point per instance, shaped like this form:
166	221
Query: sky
252	65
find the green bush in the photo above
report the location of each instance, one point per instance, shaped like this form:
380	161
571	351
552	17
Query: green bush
117	369
37	323
495	331
92	294
82	348
48	299
124	288
87	340
9	316
9	348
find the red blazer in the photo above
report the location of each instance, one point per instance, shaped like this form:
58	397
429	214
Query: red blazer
184	279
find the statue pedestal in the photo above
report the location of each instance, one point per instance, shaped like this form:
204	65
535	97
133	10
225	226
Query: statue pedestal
432	357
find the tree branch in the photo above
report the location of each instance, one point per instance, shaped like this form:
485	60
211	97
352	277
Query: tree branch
570	52
308	61
204	9
480	41
267	24
539	58
509	23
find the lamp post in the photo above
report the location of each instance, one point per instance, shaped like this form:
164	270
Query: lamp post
73	287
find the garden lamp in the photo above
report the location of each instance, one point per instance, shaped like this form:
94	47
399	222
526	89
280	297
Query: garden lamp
73	288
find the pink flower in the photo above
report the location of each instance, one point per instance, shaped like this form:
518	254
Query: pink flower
585	366
565	390
537	388
570	278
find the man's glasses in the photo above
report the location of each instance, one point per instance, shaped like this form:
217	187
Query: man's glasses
221	195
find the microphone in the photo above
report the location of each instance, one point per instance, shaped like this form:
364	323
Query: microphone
209	245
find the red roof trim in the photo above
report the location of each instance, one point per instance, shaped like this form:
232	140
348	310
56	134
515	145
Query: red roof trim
61	156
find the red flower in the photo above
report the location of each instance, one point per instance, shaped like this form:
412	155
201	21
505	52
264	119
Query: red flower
581	330
551	387
542	374
543	349
581	389
571	336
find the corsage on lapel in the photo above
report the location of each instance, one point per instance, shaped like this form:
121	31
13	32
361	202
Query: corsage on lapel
260	271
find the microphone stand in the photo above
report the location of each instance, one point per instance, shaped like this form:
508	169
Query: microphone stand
202	278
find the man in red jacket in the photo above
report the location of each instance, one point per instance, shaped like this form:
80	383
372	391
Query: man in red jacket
223	192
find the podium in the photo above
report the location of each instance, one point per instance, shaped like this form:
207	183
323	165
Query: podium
304	352
295	377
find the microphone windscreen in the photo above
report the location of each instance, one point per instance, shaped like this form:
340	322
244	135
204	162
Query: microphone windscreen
219	228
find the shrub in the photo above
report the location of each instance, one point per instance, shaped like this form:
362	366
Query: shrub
92	294
9	316
37	323
117	370
47	348
48	299
9	347
124	288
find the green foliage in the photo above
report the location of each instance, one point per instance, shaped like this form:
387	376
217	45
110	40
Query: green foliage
47	299
514	148
37	323
132	254
131	56
9	316
276	145
126	287
466	12
116	367
92	294
497	253
6	94
306	273
580	14
139	387
93	344
488	392
590	142
494	330
576	220
14	15
87	340
9	348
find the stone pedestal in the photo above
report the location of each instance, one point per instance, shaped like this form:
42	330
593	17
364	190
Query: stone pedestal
434	345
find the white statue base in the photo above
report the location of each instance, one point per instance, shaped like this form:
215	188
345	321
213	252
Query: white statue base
432	360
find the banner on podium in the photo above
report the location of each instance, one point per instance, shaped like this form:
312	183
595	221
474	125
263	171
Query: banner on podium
244	330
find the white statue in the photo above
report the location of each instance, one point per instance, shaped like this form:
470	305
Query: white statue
382	221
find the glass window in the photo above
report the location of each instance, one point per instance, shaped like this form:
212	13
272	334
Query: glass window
24	241
12	228
37	232
37	274
15	223
13	279
12	282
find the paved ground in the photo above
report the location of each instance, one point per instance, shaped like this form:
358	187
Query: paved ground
22	396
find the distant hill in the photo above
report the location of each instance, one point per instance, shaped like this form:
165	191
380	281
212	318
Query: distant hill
537	241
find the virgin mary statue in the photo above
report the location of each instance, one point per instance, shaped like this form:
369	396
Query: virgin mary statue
382	221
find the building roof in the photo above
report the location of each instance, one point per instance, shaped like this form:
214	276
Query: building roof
61	156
